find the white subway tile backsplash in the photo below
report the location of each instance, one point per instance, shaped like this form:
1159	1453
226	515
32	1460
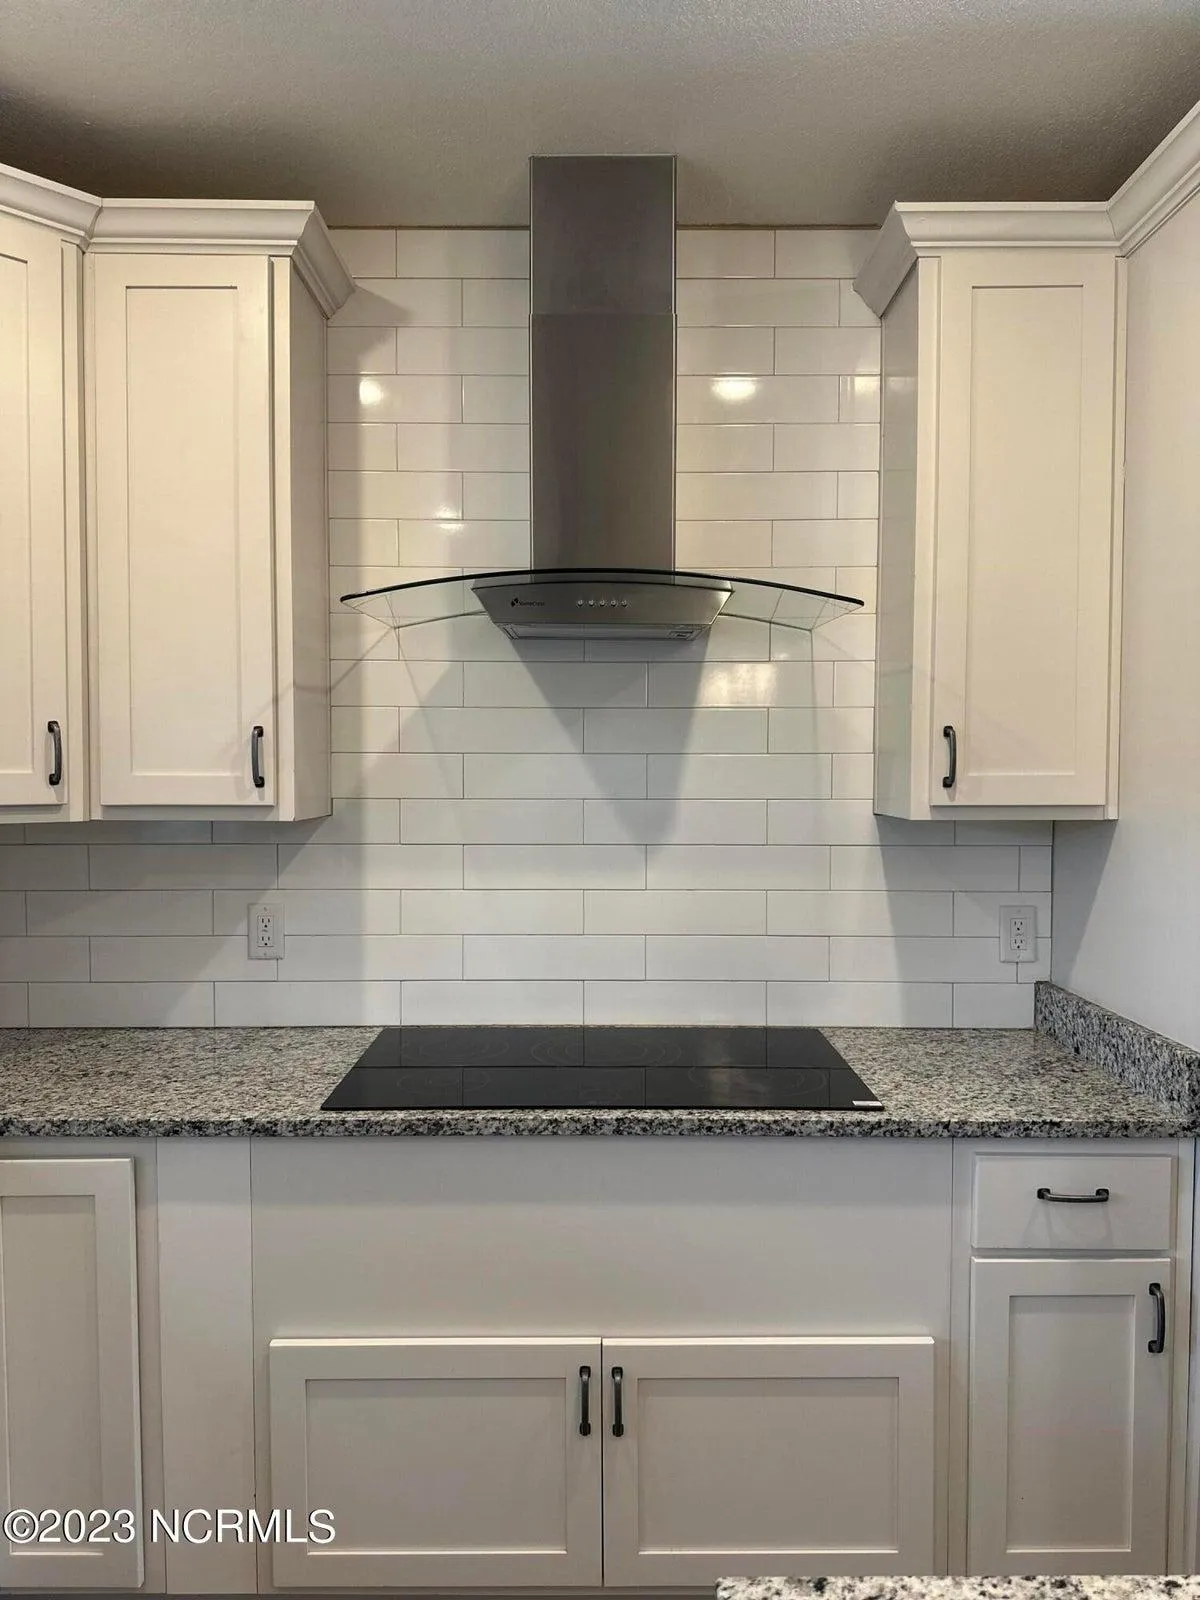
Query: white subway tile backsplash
402	303
527	866
367	252
756	495
717	351
724	253
495	303
123	1005
176	959
360	350
462	447
763	399
665	1002
462	253
993	1005
182	866
822	252
496	495
666	822
462	350
772	777
518	1002
682	911
874	1005
498	911
722	545
885	915
320	958
43	866
559	777
395	494
147	912
314	911
370	866
730	729
738	866
14	1005
26	960
543	831
383	398
585	683
713	958
533	956
307	1005
495	400
917	960
493	821
728	447
756	302
841	351
827	447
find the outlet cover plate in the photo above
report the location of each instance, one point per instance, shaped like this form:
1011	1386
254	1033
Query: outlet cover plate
265	931
1018	933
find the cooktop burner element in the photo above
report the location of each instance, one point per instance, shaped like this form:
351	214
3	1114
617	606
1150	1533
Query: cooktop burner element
554	1068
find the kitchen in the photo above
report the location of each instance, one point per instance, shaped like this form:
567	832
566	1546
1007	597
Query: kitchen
913	785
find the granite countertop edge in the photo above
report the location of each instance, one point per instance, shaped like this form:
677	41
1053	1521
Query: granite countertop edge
270	1082
1075	1587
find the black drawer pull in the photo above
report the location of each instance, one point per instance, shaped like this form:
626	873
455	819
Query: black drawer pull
54	777
256	771
951	777
618	1377
1100	1198
1159	1342
585	1400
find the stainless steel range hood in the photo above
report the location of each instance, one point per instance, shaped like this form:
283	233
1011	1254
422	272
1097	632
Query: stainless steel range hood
602	414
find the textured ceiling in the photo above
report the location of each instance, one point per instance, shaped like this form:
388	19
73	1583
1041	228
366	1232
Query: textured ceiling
424	111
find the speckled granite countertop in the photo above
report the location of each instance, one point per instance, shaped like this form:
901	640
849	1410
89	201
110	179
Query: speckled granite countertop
958	1588
934	1083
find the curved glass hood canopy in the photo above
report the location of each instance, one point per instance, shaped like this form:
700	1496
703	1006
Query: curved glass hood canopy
602	433
611	602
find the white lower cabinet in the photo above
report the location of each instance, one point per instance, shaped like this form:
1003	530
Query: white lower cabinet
744	1456
69	1416
490	1462
445	1462
1069	1415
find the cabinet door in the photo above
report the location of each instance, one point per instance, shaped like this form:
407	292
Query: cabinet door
1024	539
68	1367
1069	1417
183	549
447	1462
742	1456
33	521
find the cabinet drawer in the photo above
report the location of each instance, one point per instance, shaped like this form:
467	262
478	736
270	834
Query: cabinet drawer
1009	1214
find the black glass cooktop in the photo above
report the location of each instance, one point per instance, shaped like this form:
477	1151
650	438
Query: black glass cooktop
552	1068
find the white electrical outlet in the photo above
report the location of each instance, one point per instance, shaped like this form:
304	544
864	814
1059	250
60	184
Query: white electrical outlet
266	931
1018	933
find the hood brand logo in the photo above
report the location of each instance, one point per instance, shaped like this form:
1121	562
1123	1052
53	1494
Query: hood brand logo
517	601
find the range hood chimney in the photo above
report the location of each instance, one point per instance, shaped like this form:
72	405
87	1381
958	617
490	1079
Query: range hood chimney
602	427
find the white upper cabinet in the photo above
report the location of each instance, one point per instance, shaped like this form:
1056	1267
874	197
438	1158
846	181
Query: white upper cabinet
208	556
42	745
182	530
999	529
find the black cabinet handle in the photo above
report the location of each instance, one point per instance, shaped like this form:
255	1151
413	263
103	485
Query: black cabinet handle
585	1400
1159	1342
618	1377
1100	1198
54	777
256	772
951	777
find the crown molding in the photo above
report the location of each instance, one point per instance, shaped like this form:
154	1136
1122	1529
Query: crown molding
1168	177
35	199
912	231
230	227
